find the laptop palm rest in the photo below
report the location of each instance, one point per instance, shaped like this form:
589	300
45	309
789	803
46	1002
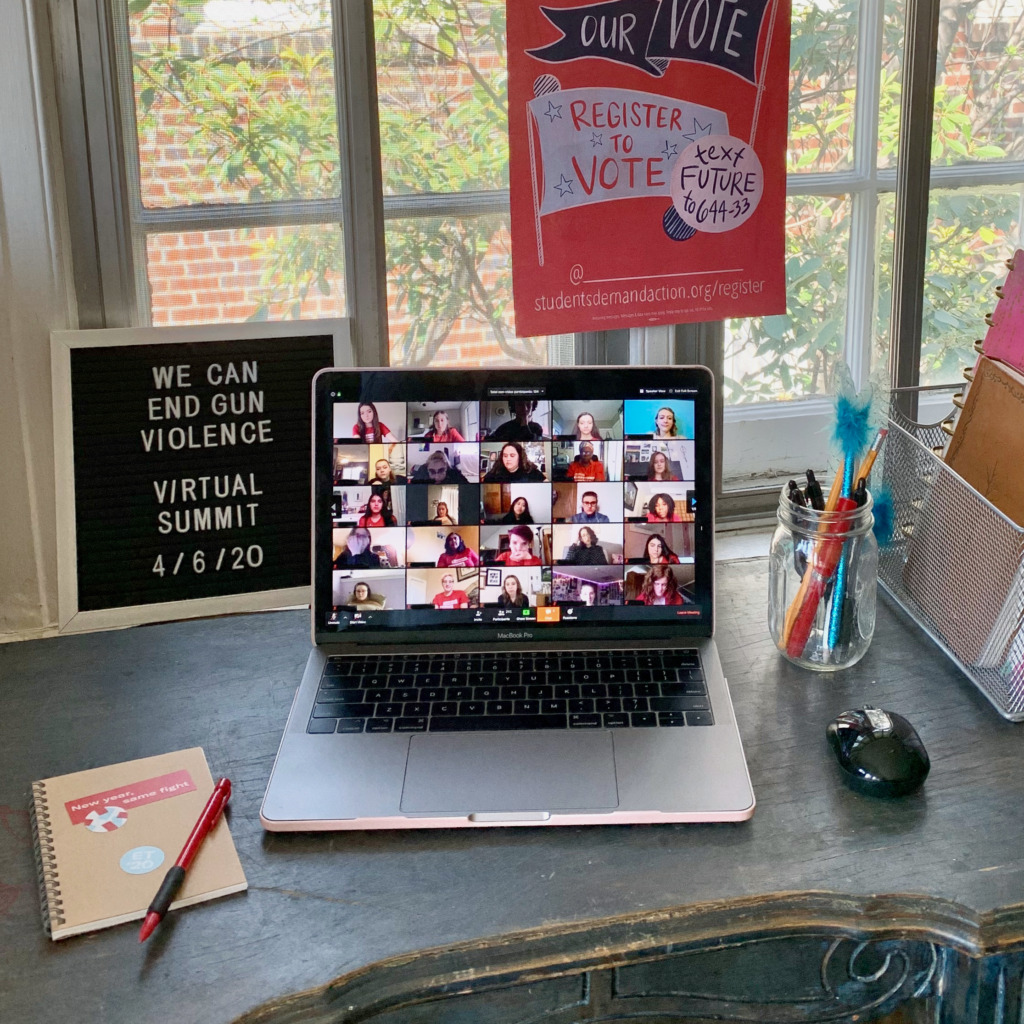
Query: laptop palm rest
513	772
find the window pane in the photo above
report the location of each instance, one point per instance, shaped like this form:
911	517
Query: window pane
978	108
234	100
893	22
822	80
794	356
970	234
884	228
441	94
450	296
267	273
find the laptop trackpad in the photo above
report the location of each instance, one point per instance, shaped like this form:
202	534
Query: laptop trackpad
520	771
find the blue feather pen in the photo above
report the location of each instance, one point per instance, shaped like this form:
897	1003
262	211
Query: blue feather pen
835	613
851	435
885	516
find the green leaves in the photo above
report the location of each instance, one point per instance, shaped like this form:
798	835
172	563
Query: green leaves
257	117
442	95
823	58
794	356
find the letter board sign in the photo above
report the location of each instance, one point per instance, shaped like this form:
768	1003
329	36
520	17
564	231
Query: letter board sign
183	468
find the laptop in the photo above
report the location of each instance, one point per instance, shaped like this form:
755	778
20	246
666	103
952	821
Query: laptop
513	605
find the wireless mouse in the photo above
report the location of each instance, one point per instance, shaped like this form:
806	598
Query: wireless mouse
879	752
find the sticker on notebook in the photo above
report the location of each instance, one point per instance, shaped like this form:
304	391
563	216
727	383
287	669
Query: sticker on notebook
142	860
110	820
105	812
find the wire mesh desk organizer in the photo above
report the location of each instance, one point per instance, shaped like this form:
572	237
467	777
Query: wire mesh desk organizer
956	563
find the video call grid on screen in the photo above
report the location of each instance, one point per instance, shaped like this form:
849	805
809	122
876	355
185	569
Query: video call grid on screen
510	509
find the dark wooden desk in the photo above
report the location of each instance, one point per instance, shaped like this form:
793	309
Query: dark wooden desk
320	906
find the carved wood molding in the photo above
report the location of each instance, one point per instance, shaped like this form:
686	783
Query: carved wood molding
803	955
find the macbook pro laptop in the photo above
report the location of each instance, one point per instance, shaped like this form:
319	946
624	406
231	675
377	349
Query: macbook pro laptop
513	605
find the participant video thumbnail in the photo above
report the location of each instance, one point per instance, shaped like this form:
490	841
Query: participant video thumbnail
659	418
450	463
363	548
600	544
442	588
528	420
443	422
587	421
660	584
587	504
504	503
385	506
514	461
587	461
369	422
387	464
515	587
659	502
348	504
442	504
443	546
660	461
586	585
654	543
369	591
351	464
515	545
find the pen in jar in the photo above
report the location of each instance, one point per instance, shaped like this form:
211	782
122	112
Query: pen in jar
815	497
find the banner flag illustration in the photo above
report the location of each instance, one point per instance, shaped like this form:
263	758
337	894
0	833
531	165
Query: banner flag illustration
648	35
584	134
647	161
617	30
600	144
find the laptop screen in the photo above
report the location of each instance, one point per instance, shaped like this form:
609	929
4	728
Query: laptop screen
502	504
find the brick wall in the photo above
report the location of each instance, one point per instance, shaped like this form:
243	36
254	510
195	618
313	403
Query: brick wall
217	276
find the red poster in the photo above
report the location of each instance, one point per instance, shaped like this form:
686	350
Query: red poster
647	161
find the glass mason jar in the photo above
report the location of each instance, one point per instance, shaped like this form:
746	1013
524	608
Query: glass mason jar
823	570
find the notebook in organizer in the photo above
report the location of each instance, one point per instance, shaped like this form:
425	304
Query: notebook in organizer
106	837
987	447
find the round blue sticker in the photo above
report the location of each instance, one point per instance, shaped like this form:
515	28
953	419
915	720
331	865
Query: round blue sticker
142	860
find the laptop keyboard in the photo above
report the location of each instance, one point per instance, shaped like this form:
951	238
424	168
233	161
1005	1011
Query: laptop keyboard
491	692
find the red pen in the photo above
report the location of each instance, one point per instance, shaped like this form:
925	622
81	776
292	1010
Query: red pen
173	879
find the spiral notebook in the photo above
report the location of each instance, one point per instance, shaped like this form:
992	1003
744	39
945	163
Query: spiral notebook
106	837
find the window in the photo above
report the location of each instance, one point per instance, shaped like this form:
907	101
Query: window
443	114
843	127
232	162
977	181
221	164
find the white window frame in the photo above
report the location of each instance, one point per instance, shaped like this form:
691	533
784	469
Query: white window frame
783	437
109	266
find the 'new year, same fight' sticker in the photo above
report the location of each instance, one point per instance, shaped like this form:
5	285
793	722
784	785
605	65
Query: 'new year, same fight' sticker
107	812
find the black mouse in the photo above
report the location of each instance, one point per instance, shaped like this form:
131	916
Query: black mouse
879	751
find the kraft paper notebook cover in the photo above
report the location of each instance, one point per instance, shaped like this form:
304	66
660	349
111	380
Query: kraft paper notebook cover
987	448
106	837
